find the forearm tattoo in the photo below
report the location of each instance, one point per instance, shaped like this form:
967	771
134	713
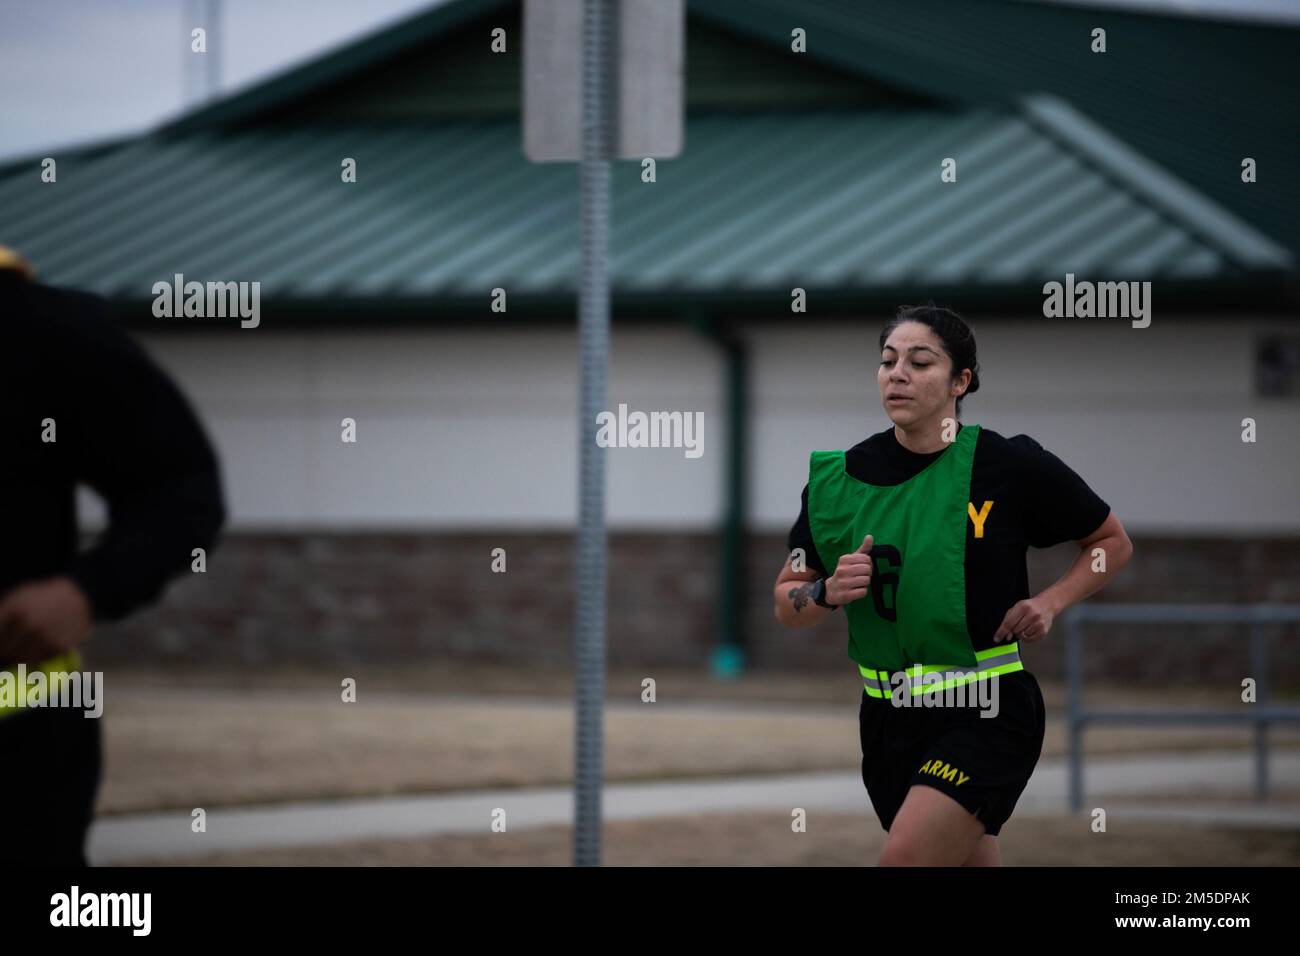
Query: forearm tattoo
800	596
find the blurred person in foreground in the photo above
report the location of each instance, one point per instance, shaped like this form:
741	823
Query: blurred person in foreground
80	402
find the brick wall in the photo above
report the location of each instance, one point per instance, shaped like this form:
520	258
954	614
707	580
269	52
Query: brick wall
388	598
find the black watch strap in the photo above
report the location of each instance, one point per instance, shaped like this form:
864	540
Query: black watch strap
819	594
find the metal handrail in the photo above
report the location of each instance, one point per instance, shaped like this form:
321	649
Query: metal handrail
1261	713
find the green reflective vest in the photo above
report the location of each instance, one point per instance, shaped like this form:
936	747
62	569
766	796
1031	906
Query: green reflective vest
915	611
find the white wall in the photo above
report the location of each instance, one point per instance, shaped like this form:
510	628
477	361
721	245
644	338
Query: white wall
469	430
455	430
1150	418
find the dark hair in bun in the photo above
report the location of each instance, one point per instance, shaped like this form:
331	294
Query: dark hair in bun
957	338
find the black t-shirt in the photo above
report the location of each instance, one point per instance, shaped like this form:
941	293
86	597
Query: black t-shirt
1038	501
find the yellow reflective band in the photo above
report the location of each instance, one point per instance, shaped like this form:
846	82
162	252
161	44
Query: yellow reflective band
64	663
967	678
963	674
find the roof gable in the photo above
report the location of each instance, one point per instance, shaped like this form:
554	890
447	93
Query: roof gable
439	66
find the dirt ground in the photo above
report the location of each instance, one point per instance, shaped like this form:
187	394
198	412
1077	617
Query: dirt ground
766	839
210	738
453	677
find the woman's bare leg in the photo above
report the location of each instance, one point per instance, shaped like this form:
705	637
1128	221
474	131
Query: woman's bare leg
931	829
987	853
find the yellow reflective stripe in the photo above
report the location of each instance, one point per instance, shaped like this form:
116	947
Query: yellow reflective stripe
918	689
979	656
967	678
965	673
952	682
64	663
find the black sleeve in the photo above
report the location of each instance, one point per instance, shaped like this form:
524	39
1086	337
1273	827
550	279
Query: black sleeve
1058	504
134	438
801	537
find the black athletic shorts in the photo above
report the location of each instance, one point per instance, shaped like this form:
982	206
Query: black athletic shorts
51	758
983	763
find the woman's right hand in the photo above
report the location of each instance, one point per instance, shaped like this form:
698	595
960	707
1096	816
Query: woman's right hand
852	577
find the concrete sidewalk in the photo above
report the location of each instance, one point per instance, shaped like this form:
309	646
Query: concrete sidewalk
1107	782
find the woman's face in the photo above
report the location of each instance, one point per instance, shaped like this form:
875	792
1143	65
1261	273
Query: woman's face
915	375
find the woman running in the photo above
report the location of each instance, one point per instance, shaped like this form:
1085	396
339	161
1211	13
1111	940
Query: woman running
925	527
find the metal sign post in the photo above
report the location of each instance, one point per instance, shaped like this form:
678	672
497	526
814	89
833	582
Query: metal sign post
593	357
629	88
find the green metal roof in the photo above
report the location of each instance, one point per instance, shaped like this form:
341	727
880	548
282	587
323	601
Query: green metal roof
1194	94
755	202
844	200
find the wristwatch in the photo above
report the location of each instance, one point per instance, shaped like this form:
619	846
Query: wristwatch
819	594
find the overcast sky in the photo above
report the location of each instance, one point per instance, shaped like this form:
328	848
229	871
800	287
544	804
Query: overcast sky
77	71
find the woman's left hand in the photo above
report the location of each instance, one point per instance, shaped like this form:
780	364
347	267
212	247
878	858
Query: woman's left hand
1028	620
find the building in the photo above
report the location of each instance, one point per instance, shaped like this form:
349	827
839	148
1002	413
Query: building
817	171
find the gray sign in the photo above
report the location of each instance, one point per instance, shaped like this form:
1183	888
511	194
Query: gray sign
648	79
